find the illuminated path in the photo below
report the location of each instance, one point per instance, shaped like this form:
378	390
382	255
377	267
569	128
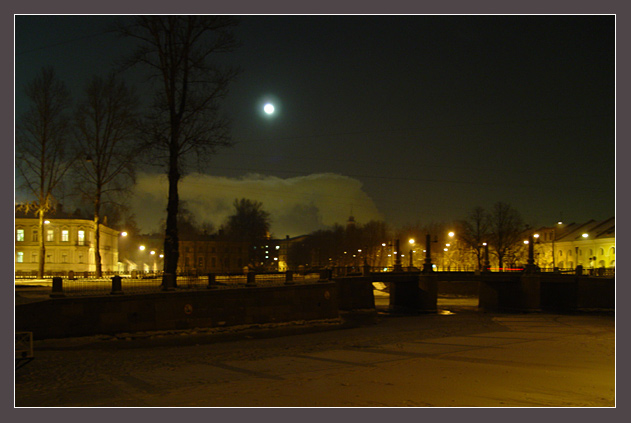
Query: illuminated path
462	359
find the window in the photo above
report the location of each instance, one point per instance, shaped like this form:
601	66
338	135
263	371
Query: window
64	235
601	252
569	253
19	236
34	258
20	257
81	237
49	258
34	236
50	235
80	258
64	257
560	253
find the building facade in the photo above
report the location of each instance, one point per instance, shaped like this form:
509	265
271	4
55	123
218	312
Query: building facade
591	245
69	245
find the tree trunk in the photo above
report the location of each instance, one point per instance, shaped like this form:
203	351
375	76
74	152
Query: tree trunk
97	238
42	247
171	240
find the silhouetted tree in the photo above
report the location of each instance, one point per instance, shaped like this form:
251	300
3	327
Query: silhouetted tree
42	153
107	136
474	231
506	226
249	223
180	52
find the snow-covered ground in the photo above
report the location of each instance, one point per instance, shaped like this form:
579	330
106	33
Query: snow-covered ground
460	358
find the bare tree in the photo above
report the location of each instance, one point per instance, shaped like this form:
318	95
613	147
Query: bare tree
474	232
250	223
506	226
42	157
180	52
107	130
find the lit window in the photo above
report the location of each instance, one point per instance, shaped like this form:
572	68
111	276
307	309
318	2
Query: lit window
20	257
19	235
64	235
81	237
50	235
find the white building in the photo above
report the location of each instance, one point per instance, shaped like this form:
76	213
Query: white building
69	245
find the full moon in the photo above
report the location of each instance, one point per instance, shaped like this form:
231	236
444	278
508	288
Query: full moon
268	108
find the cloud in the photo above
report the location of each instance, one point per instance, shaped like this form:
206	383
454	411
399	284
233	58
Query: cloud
296	205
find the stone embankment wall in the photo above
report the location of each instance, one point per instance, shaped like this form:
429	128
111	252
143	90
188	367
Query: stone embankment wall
110	314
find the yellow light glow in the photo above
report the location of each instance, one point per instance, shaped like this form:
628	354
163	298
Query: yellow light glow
451	234
411	241
536	235
123	233
141	248
585	235
152	253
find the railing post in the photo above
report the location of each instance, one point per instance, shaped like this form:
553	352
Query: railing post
58	288
117	286
289	277
251	279
211	281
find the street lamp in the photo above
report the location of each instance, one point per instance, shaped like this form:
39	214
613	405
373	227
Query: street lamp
427	264
412	242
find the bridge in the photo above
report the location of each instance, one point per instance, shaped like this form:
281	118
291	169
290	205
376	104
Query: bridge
526	291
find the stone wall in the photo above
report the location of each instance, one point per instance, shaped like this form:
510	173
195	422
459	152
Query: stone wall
84	316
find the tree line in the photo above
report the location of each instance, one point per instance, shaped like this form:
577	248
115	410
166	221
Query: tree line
501	229
102	139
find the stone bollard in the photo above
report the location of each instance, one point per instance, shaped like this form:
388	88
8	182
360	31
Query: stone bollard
251	279
70	275
289	277
117	286
58	288
325	275
211	281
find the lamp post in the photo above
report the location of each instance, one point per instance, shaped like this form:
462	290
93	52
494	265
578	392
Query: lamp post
397	257
487	265
411	241
427	264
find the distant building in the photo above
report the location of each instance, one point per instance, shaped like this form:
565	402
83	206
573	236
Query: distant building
211	255
69	245
591	244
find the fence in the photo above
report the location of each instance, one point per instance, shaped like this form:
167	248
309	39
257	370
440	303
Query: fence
154	283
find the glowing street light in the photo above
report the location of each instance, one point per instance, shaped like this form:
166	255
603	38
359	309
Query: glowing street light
141	248
123	233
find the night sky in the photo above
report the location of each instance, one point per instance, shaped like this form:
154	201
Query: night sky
409	119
